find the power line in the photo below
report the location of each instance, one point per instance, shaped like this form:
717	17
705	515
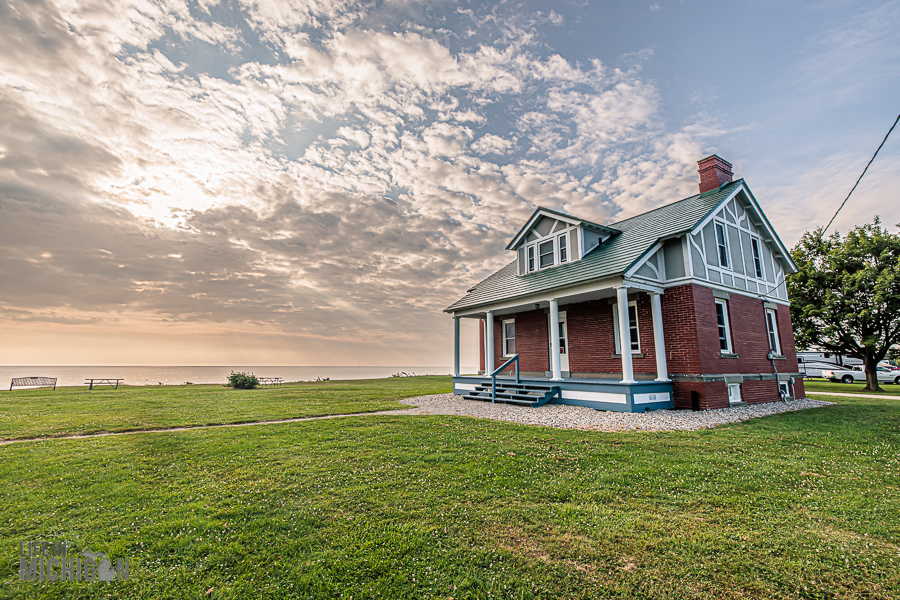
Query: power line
861	176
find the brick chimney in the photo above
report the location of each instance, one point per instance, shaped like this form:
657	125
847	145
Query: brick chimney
714	172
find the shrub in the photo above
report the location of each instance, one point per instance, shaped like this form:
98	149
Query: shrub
242	381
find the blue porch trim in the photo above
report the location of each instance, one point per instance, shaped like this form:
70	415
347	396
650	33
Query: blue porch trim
599	394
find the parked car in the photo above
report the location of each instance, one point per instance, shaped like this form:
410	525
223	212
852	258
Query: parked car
884	374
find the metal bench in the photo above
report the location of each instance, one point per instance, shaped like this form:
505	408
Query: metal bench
92	383
32	381
270	380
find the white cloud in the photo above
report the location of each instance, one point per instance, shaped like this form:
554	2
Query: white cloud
322	191
493	144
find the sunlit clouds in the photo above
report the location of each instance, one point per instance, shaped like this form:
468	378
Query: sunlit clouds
324	175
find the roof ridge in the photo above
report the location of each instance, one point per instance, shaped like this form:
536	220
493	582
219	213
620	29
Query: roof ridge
694	197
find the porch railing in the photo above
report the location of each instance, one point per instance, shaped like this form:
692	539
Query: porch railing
514	359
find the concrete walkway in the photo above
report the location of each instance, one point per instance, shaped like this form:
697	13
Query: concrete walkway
407	411
855	395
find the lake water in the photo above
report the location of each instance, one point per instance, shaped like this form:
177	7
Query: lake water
68	376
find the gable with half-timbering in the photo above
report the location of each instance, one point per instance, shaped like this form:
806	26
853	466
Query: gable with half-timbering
734	247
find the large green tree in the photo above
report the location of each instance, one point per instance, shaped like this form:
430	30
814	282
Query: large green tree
846	296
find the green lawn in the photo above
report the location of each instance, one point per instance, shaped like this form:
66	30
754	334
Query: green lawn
66	411
823	385
800	505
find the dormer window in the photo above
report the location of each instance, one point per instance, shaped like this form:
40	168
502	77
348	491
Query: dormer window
551	238
546	251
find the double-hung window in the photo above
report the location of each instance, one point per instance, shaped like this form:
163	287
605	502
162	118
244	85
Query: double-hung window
563	248
772	330
722	245
632	328
757	259
722	323
509	337
545	252
530	259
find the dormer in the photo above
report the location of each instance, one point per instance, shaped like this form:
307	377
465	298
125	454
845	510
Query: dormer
551	238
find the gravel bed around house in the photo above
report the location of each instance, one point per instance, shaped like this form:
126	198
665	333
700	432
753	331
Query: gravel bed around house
579	417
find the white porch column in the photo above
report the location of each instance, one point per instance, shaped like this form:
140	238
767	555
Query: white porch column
659	341
554	341
624	335
489	342
456	346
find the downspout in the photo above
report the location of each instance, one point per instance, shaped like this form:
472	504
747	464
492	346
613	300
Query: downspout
774	368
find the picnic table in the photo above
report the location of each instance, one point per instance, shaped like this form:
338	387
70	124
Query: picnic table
32	381
270	380
112	382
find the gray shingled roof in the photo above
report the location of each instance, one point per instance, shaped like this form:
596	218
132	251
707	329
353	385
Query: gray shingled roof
613	257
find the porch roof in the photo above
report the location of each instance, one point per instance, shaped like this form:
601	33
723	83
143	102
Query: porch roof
613	257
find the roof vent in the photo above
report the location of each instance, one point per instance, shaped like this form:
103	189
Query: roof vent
715	172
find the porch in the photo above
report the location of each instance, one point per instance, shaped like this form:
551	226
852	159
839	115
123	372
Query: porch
571	350
596	393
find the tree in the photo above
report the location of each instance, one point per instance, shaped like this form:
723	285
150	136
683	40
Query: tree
846	296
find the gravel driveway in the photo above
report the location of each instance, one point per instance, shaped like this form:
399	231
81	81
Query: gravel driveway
579	417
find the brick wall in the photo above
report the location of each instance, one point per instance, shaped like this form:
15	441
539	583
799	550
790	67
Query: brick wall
680	327
592	342
692	343
757	392
786	338
711	394
532	342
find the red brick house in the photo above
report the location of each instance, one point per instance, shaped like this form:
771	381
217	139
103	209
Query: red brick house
695	288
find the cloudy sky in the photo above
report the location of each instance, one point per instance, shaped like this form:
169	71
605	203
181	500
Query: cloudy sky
312	182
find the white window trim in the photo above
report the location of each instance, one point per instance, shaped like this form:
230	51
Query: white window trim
734	386
773	335
569	232
762	264
716	224
558	249
537	253
724	305
503	337
637	322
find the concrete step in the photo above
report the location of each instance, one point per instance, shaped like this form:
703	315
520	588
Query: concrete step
502	400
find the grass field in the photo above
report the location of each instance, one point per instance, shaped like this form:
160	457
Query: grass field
823	385
66	411
798	505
